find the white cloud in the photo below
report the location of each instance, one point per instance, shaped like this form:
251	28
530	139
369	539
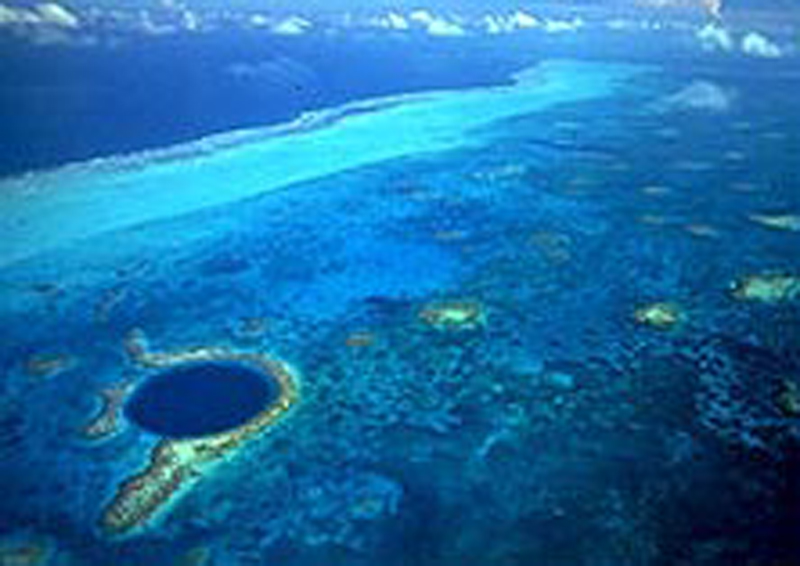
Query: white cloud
619	24
757	45
148	26
13	16
716	38
494	25
56	15
443	28
392	21
259	20
524	20
712	7
435	25
423	17
293	25
190	21
713	37
47	14
562	26
699	96
396	21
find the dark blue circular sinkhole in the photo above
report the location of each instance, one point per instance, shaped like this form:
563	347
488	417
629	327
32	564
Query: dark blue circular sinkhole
199	399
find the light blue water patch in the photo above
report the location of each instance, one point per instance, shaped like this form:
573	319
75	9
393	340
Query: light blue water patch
46	210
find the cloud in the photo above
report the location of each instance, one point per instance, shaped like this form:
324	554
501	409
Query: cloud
293	25
56	15
716	38
46	24
423	17
757	45
519	20
713	37
524	20
703	96
47	14
443	28
396	21
258	20
390	21
712	7
435	25
8	15
495	25
562	26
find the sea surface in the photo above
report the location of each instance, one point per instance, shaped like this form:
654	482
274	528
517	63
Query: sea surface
519	304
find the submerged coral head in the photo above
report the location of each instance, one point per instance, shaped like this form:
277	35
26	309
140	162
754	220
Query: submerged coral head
662	316
199	399
454	315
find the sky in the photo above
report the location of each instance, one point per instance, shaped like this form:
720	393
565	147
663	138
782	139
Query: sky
463	7
455	5
445	6
324	5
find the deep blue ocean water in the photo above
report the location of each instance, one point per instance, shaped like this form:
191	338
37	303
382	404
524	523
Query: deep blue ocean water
555	427
162	91
183	402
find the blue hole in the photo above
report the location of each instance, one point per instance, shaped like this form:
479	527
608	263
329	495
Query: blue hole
195	400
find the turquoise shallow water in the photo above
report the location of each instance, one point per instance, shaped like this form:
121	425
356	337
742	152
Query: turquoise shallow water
49	210
548	420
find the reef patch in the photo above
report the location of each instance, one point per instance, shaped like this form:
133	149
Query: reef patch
767	288
176	464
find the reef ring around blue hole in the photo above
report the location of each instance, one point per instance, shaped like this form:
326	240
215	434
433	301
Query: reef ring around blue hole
199	399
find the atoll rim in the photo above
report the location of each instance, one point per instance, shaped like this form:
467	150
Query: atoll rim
175	464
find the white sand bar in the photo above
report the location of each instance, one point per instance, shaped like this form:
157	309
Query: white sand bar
41	211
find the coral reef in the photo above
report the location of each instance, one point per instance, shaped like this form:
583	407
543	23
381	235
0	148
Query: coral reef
107	302
745	187
175	465
788	399
767	288
732	401
652	220
12	429
662	316
450	235
555	247
249	329
360	339
198	556
784	222
25	549
107	422
344	508
47	365
702	230
734	155
500	173
656	190
454	315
